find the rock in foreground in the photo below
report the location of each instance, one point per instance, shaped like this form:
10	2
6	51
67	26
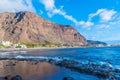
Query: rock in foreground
68	78
102	70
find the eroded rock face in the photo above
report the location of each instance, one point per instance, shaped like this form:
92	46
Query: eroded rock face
29	27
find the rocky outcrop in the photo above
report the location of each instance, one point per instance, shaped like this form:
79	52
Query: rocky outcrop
67	78
28	27
17	77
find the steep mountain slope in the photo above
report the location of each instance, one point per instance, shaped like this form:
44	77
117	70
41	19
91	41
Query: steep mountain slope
27	27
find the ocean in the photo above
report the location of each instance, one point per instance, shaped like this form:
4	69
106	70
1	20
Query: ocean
96	55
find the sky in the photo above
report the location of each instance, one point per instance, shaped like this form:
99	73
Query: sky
94	19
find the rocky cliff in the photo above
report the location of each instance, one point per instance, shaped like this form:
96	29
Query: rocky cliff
27	27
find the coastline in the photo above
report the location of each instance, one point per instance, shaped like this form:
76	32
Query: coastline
53	48
29	49
103	71
41	48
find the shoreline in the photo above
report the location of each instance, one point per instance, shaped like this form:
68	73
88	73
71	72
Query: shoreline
102	71
27	49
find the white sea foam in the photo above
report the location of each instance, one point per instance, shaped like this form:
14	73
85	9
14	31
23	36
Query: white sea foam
19	56
30	57
38	57
106	64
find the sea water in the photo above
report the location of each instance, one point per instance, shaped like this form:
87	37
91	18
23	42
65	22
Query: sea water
98	55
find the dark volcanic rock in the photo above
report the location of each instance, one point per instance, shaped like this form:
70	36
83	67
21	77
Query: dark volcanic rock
103	70
28	27
68	78
17	77
94	69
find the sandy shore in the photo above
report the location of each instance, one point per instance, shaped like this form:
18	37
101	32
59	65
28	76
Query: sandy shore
27	49
10	49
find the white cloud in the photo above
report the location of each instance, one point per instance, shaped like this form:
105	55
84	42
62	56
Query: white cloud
49	4
107	15
16	5
52	10
107	18
104	14
85	24
102	26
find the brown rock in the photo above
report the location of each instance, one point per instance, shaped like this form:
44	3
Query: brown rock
28	27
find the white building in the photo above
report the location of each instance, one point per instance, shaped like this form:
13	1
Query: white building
20	46
23	46
15	45
5	43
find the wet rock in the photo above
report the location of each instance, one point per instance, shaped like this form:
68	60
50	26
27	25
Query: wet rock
68	63
17	77
68	78
8	77
117	70
99	70
117	76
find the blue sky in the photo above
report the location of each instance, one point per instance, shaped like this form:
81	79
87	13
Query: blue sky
95	19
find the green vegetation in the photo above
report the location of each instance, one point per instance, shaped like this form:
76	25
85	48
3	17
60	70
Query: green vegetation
18	46
33	45
66	45
3	46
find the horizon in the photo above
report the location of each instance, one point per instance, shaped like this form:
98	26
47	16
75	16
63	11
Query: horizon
96	20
